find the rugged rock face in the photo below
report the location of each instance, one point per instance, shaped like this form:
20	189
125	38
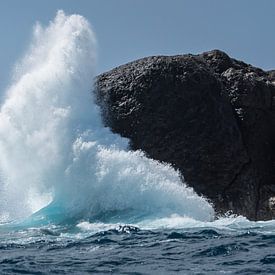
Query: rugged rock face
210	116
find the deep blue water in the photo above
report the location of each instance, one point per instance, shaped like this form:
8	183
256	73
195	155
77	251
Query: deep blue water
126	249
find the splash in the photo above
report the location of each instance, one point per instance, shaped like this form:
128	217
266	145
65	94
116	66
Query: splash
55	154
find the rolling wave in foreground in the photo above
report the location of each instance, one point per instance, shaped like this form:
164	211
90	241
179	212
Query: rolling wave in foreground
74	199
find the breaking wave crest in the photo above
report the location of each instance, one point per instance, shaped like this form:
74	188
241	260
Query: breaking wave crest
58	161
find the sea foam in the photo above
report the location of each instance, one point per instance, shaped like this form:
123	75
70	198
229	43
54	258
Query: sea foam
57	157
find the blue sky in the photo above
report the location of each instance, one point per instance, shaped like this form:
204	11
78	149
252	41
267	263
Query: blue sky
130	29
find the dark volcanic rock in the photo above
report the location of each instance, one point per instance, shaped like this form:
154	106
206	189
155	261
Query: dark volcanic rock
208	115
271	75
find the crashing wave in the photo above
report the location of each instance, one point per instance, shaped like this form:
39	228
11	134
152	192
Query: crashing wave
57	157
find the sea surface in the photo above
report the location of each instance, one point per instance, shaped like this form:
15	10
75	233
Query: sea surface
231	245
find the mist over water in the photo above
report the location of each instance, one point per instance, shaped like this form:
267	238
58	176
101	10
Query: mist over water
55	153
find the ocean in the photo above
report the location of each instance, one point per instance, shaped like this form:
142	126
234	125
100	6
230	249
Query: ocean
74	198
231	245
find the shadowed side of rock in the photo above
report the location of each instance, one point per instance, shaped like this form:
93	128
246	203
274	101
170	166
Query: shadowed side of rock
208	115
251	92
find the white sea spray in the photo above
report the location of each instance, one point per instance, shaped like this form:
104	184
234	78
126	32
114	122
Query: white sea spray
54	149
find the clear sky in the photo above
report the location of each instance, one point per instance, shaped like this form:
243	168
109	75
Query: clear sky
130	29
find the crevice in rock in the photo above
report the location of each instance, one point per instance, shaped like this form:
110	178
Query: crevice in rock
237	175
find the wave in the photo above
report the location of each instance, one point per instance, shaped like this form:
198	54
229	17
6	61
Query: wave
58	161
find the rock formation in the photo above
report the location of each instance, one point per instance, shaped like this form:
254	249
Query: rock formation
210	116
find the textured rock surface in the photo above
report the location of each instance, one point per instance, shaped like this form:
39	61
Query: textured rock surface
210	116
